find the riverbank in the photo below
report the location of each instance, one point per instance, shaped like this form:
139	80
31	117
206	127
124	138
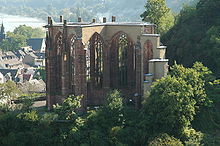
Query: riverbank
13	21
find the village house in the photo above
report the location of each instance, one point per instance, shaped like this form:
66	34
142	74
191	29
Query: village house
8	60
37	44
8	74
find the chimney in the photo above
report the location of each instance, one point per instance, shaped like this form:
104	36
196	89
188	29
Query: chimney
64	22
104	19
61	18
113	18
79	19
49	21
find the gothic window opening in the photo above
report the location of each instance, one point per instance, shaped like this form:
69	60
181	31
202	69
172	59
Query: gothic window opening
99	62
72	64
59	44
96	60
121	61
123	57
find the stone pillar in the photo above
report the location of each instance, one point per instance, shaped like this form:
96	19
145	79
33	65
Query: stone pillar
47	64
50	57
139	73
65	66
92	62
80	70
114	70
130	61
106	71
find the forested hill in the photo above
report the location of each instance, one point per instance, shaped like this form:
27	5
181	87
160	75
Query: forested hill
87	9
196	36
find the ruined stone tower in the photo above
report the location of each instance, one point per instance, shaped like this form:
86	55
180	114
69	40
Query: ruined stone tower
90	59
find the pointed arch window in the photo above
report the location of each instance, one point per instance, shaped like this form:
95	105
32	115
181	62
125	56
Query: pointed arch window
72	63
123	60
59	43
59	46
99	62
96	60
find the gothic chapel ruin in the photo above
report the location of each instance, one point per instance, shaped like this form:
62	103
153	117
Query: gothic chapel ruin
90	59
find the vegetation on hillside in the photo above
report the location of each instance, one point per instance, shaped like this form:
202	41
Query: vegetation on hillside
87	9
172	114
158	13
180	109
18	38
196	36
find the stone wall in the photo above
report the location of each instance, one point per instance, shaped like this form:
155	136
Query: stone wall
127	52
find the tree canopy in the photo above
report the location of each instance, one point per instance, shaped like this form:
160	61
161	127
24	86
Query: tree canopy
158	13
172	114
195	36
29	32
18	38
87	9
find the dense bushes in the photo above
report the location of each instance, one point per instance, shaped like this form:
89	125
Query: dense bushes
171	115
165	140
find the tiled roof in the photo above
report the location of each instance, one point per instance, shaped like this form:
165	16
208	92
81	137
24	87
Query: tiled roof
35	43
12	71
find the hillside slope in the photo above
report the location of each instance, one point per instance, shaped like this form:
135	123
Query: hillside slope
196	36
87	9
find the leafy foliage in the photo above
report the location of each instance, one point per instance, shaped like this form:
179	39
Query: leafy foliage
171	108
18	38
87	9
165	140
195	36
14	42
8	92
40	74
158	13
29	32
194	77
68	110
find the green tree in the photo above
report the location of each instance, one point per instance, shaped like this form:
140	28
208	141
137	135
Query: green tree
68	109
8	92
158	13
165	140
195	36
195	78
29	32
23	30
16	41
103	125
175	101
40	74
169	107
18	38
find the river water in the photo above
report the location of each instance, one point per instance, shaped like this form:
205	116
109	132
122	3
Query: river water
11	21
